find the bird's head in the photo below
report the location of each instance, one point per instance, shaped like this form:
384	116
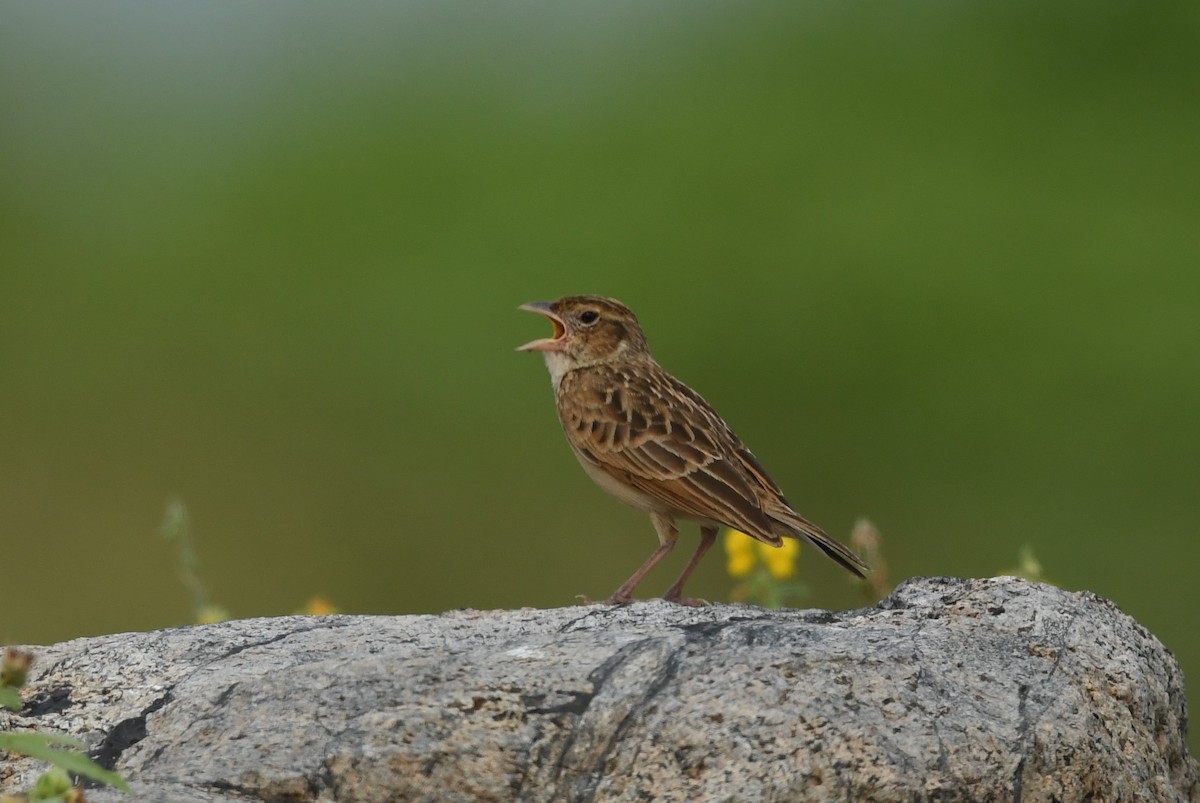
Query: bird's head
588	330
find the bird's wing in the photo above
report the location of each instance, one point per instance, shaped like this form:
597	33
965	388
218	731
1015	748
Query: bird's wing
649	430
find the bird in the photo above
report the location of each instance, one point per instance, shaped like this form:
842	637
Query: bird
655	444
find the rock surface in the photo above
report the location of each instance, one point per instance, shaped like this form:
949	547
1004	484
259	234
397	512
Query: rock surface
948	690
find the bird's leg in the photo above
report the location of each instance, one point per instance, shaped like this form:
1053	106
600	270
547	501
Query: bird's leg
708	535
668	534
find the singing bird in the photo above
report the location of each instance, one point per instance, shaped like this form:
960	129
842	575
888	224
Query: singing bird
655	444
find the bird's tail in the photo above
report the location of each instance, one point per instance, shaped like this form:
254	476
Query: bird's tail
793	525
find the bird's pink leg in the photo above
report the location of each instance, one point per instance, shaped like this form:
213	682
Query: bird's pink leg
668	534
708	536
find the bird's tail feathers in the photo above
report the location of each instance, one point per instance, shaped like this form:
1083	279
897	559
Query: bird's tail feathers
793	525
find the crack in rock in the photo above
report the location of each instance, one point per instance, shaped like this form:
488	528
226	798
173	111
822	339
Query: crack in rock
125	734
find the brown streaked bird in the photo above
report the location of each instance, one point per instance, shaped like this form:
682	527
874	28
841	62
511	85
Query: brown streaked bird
653	443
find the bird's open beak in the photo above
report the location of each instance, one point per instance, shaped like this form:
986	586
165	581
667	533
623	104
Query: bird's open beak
556	343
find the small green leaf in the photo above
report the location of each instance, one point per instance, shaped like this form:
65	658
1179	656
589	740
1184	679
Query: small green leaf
25	742
10	698
38	745
80	764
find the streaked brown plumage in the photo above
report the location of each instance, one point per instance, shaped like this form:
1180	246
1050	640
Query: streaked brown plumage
654	443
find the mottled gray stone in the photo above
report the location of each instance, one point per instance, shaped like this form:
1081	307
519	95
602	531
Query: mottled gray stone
949	690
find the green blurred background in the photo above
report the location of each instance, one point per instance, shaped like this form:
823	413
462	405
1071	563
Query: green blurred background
936	262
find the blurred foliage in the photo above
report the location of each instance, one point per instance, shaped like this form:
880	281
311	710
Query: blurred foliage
14	669
177	529
867	543
1028	566
934	261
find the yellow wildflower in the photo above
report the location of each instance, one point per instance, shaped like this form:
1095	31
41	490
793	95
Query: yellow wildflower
780	561
739	551
744	552
319	606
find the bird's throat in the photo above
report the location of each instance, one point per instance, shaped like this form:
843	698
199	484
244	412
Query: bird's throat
558	364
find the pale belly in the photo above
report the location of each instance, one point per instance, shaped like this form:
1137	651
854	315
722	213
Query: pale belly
635	498
627	494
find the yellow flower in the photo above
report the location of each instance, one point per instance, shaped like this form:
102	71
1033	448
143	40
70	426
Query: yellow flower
781	561
319	606
744	552
739	549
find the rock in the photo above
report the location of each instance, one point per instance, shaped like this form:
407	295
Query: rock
948	690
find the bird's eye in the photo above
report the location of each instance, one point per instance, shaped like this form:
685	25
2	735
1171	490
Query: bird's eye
589	317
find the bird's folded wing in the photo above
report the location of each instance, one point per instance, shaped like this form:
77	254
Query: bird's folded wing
679	453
